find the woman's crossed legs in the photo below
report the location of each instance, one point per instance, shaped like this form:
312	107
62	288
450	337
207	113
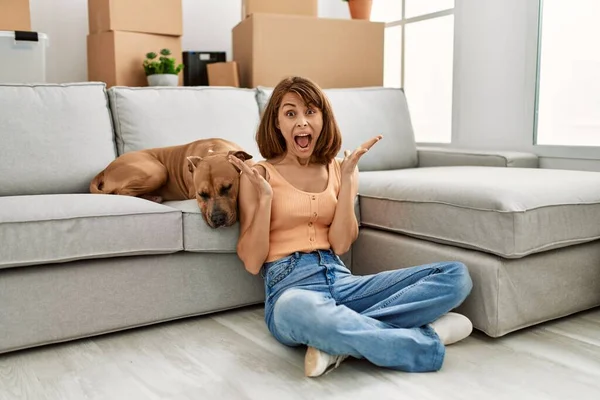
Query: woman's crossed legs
396	319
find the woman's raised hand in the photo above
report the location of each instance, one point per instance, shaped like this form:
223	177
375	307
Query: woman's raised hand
351	159
261	185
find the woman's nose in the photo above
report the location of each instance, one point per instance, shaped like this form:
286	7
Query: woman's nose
301	122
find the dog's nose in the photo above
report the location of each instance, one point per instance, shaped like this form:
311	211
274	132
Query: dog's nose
218	218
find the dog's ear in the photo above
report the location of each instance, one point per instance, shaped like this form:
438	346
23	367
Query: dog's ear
242	155
193	162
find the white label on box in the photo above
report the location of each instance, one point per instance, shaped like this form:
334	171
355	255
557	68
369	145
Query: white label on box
204	57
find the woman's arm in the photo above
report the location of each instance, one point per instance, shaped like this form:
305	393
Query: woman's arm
344	228
254	202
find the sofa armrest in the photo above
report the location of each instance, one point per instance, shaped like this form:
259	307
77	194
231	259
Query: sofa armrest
445	157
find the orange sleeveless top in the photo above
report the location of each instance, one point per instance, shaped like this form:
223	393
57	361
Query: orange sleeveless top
300	220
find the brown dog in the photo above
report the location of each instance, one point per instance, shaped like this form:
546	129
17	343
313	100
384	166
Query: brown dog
198	170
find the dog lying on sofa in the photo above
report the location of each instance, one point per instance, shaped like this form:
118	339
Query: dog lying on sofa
198	170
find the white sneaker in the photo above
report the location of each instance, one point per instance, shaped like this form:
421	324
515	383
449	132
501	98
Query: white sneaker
452	327
317	362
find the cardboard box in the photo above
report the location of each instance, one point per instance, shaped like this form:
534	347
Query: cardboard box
117	57
164	17
293	7
15	15
223	74
332	52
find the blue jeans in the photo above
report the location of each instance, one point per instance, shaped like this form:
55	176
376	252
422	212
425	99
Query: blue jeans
312	299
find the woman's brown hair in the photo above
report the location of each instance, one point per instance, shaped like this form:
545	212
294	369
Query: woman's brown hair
271	143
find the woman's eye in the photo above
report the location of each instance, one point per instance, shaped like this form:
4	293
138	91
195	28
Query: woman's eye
289	113
310	111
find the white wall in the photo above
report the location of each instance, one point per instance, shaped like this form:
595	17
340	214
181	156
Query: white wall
333	9
495	82
494	73
207	26
66	24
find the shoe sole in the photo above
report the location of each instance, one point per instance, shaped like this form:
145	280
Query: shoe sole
311	359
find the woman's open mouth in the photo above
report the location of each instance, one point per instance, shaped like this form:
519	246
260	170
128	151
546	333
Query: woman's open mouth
303	140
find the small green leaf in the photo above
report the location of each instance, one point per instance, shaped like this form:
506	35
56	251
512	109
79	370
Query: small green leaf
164	64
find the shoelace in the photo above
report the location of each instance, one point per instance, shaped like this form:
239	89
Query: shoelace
338	361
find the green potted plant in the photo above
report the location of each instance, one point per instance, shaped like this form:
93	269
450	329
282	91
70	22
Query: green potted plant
162	72
360	9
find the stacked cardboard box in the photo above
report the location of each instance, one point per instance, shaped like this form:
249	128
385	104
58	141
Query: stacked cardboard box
307	8
223	74
279	38
123	31
15	15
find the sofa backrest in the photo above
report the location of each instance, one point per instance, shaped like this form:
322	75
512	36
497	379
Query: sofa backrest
54	138
363	113
148	117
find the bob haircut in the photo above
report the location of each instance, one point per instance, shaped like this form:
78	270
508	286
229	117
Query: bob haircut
271	143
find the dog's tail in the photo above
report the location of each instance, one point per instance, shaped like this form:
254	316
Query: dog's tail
97	184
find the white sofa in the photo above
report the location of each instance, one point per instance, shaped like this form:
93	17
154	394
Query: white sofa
73	264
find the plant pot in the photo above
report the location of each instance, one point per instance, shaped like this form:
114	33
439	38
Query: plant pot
163	80
360	9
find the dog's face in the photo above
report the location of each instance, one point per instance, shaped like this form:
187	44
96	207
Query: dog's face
216	184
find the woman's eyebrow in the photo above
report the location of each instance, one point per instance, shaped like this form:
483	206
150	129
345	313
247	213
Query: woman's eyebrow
289	104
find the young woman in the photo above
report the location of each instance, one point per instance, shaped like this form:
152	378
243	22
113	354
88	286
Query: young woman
297	216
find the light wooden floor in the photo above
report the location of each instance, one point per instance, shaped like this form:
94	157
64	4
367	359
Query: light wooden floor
231	355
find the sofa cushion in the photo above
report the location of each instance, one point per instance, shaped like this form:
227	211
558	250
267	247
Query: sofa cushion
44	229
510	212
447	157
363	113
53	138
198	236
147	117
